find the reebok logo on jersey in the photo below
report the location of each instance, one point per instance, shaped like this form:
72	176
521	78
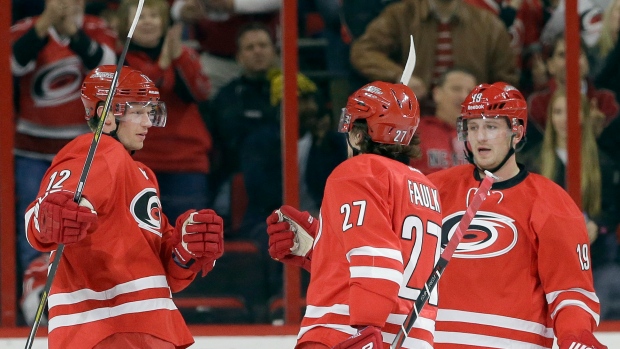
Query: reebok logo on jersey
146	210
575	345
489	235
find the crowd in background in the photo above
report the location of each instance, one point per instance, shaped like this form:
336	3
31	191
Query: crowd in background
217	66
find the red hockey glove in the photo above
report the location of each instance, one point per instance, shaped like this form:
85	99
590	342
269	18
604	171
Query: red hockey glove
585	341
62	221
198	240
291	235
367	338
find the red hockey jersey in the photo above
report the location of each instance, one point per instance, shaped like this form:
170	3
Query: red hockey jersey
120	277
51	112
440	146
521	269
377	243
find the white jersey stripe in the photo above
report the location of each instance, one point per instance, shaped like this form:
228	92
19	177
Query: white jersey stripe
494	320
377	273
317	312
580	304
110	312
479	340
86	294
375	252
551	296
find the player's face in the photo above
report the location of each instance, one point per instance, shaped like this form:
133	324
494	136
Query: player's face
149	29
489	141
134	127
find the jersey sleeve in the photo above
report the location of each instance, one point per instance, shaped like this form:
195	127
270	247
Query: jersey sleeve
371	246
564	265
64	176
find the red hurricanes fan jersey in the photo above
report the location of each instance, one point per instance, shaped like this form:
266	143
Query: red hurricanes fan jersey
377	244
524	260
120	277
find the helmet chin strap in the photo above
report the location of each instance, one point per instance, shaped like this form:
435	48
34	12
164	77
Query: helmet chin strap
469	155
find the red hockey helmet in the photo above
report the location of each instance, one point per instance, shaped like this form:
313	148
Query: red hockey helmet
133	89
492	101
391	111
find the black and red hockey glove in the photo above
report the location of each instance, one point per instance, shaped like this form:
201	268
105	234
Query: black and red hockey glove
198	240
585	341
62	221
291	236
367	338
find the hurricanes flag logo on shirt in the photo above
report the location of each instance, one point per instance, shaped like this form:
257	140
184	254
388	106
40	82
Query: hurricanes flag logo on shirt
489	235
146	210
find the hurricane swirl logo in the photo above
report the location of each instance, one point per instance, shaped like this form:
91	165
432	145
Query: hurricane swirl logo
146	210
489	235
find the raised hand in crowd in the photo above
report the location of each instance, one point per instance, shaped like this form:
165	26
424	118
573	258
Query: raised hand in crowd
172	47
192	10
56	13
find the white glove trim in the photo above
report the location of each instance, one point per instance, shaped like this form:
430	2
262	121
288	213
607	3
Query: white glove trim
302	242
187	222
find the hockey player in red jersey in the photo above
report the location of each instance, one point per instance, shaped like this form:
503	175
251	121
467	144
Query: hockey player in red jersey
377	236
522	273
122	257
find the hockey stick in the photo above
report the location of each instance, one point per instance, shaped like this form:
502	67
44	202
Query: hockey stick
410	65
80	187
479	196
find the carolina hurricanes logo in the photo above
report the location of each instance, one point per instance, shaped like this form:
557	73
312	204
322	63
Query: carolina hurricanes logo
489	235
57	83
146	210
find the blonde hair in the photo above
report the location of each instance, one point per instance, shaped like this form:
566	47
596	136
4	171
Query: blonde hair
123	15
590	168
608	38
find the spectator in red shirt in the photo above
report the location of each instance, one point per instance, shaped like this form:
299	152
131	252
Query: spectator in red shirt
603	104
439	143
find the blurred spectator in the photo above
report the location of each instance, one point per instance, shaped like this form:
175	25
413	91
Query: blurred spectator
241	106
215	25
609	75
50	56
600	192
320	150
608	38
524	20
178	153
603	104
590	16
439	142
446	33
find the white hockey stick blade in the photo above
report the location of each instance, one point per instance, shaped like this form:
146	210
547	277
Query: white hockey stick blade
410	65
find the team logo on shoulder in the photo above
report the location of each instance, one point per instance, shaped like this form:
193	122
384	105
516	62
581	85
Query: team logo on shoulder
489	235
146	210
